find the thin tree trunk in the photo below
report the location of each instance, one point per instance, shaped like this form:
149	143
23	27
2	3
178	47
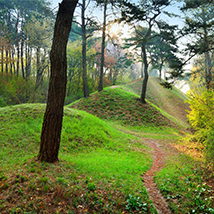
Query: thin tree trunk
84	72
103	48
208	67
22	56
52	124
146	76
142	69
38	68
6	62
2	59
17	42
11	61
160	70
27	69
13	64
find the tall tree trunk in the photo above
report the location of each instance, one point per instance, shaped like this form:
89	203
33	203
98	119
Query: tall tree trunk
84	71
6	62
146	76
52	124
142	68
22	58
27	69
208	66
2	58
100	88
11	61
160	69
17	42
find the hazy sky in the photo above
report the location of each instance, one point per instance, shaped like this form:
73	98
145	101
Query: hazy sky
173	9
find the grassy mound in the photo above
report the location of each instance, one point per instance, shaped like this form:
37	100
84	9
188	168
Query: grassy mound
100	168
170	101
119	105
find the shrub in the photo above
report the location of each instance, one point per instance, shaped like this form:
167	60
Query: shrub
201	119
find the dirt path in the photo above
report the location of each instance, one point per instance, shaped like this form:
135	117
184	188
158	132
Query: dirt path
148	178
154	193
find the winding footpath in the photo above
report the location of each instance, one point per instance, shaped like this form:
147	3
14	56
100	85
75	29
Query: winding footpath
154	193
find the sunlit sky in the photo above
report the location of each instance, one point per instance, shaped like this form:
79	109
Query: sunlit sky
173	21
173	9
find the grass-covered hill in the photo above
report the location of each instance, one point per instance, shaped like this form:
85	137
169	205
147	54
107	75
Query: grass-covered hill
119	105
101	166
170	101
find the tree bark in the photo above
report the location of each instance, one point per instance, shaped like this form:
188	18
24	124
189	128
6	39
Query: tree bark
160	69
52	124
208	66
38	68
22	57
142	68
100	88
146	76
84	72
6	62
17	42
2	58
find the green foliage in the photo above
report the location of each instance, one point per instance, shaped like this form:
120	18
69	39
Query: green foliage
91	186
135	203
201	119
166	84
74	74
16	90
12	90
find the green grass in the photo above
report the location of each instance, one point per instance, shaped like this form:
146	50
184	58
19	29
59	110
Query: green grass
123	107
103	155
94	156
185	186
170	101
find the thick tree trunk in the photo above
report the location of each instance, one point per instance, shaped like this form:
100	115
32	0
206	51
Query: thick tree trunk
52	124
84	71
146	76
100	88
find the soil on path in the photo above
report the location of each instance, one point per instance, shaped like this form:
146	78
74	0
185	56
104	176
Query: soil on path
148	178
154	193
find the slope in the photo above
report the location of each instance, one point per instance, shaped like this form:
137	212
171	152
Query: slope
170	101
116	104
99	166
